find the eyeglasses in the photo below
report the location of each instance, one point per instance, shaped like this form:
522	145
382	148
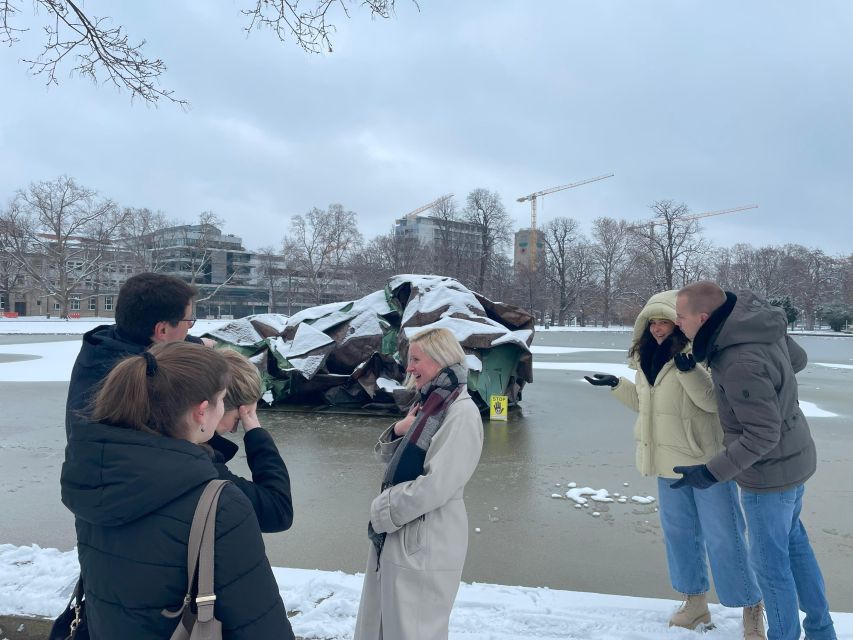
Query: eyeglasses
191	321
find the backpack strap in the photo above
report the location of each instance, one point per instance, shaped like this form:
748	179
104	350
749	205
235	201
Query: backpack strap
200	554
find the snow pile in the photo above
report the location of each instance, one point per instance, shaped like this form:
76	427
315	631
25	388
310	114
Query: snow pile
324	604
597	495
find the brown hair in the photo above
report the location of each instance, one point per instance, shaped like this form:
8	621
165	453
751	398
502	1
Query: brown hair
646	342
154	391
703	296
245	386
148	298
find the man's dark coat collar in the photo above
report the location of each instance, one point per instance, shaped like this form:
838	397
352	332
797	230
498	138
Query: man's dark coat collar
704	339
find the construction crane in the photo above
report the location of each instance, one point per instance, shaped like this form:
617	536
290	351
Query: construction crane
532	197
414	214
656	221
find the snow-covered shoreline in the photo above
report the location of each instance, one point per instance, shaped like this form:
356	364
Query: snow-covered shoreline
35	582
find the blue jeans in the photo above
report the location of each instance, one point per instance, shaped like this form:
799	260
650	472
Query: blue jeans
786	566
700	523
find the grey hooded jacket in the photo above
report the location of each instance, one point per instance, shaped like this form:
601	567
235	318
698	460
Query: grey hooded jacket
768	445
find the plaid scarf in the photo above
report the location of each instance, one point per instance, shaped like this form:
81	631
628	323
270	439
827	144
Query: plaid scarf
407	463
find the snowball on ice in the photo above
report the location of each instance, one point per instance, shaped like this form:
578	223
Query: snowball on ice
598	495
643	499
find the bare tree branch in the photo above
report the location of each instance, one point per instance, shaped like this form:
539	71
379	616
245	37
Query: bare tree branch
100	51
309	27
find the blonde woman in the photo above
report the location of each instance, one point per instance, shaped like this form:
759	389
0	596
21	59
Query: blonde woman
418	523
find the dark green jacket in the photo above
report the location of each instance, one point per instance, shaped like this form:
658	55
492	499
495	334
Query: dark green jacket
768	445
133	495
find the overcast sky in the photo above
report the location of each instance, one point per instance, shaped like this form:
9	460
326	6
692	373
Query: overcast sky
716	103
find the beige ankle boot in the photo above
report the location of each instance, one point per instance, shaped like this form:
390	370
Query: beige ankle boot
753	622
693	612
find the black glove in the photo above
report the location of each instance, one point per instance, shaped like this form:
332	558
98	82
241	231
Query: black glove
684	361
696	476
602	379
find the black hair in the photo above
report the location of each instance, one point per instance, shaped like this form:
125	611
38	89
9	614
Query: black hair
646	344
148	298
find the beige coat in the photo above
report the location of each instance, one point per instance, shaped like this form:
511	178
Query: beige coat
677	422
411	594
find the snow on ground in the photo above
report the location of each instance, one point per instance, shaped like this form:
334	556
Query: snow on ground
811	410
617	328
612	368
553	351
36	582
57	327
833	365
46	361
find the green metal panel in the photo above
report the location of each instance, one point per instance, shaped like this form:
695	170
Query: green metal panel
498	365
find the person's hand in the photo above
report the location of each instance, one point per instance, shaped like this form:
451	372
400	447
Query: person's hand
602	380
208	342
249	416
401	426
684	361
696	476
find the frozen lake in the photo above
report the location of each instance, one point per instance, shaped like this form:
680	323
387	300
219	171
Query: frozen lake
565	431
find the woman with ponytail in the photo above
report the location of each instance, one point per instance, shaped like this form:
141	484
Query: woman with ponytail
133	477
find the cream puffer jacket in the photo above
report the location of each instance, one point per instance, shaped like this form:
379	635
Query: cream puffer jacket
677	422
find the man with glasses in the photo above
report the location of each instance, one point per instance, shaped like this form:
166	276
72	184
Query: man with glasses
151	307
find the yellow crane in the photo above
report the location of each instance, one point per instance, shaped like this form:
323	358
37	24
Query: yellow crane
532	197
656	221
414	214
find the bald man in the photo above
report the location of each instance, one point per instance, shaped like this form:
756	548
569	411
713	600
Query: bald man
769	449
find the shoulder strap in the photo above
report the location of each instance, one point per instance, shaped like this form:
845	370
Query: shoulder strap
204	552
200	548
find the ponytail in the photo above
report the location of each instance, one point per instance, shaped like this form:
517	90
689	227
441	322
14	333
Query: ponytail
154	391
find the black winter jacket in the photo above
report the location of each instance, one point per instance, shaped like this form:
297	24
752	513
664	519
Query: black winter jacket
102	349
269	490
768	444
133	495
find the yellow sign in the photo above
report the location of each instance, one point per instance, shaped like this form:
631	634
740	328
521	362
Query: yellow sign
498	408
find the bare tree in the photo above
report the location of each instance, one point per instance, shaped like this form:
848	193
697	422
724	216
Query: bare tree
103	52
671	239
845	289
610	253
531	287
320	245
384	256
62	232
12	272
485	209
199	240
452	251
271	272
559	237
810	273
139	237
582	277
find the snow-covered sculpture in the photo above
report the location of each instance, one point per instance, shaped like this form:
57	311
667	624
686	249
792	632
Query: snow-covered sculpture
353	354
